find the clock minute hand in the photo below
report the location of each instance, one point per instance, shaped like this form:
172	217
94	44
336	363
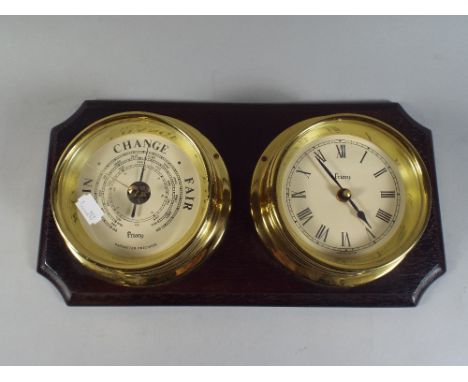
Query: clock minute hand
328	172
360	214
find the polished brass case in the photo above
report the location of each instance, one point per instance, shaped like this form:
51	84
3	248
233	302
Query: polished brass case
202	238
296	253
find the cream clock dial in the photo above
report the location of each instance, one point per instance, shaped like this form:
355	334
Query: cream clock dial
315	195
140	198
340	199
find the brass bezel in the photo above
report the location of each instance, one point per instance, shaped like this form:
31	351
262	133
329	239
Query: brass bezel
294	252
199	242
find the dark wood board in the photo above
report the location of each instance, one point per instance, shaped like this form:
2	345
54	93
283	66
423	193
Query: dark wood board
241	271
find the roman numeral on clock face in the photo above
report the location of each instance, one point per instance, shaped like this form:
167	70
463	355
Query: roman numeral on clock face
305	215
307	174
383	215
387	194
322	233
300	194
341	151
345	239
365	153
319	155
380	172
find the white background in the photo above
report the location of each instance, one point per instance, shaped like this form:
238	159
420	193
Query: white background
48	66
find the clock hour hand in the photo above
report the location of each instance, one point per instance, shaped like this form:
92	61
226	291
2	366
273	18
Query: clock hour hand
360	213
344	194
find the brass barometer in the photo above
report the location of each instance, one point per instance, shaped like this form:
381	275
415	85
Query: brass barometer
340	199
140	198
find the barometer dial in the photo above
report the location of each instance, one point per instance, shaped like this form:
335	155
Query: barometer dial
140	198
340	199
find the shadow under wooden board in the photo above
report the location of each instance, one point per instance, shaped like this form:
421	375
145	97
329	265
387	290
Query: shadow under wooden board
242	271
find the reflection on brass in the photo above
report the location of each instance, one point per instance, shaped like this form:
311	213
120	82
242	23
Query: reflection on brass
191	248
296	253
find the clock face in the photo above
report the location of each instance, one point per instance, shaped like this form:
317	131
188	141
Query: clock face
340	199
133	198
341	194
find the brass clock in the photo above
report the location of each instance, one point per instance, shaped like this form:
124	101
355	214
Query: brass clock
140	198
340	199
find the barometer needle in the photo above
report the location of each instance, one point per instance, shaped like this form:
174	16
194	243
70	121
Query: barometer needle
360	214
144	164
118	181
141	179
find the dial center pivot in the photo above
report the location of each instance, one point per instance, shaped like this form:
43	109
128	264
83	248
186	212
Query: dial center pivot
343	194
138	192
